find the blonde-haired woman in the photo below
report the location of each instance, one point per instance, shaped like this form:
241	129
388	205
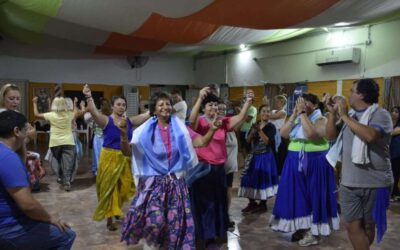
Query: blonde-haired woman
10	98
62	144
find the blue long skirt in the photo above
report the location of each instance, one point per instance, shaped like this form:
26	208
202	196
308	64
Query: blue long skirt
292	210
321	187
260	179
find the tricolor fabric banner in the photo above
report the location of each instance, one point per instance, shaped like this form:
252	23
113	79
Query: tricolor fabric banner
133	27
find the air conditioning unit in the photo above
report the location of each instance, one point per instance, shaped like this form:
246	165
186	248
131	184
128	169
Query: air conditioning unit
338	56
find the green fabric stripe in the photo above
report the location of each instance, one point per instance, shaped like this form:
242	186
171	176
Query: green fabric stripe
277	36
284	34
26	20
315	146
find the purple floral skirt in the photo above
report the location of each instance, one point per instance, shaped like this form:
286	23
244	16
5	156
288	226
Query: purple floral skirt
160	214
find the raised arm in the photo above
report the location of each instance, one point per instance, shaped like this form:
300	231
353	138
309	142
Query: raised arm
235	120
137	120
35	108
125	147
277	115
98	117
203	141
194	115
331	131
311	131
364	132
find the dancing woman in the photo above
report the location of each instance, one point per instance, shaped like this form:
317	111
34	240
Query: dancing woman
162	148
114	182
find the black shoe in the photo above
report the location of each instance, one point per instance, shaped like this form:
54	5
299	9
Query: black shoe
250	207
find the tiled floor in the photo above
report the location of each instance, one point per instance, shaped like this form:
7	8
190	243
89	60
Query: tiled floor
251	231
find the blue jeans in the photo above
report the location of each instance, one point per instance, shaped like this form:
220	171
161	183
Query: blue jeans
36	235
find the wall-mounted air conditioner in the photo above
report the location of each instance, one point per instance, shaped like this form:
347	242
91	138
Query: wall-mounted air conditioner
338	56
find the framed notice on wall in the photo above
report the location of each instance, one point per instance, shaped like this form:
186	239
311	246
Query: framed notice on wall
45	96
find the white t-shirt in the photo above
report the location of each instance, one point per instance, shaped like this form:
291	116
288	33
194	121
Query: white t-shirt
231	163
279	122
181	109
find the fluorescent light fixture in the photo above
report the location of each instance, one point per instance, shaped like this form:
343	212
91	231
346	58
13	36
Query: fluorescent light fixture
341	24
242	46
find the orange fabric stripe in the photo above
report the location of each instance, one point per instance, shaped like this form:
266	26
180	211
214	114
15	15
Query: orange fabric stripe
131	44
262	14
175	30
158	30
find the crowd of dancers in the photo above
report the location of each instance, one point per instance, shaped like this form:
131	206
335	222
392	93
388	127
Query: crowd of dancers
179	166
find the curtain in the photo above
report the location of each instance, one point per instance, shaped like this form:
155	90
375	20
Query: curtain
273	89
392	92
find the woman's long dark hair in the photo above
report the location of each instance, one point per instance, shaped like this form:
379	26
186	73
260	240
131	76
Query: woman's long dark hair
398	119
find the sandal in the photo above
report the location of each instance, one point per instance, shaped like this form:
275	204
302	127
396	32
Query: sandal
111	227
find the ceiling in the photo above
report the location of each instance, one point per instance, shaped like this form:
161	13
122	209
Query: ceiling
135	27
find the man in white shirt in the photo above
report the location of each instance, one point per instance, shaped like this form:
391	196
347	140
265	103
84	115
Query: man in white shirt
180	106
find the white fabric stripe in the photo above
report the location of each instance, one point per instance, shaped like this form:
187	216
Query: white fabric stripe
258	194
351	11
75	32
124	16
325	229
284	225
232	36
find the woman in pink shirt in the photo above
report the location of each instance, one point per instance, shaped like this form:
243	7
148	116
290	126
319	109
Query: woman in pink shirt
209	193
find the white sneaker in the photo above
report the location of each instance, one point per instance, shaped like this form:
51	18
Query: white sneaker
308	240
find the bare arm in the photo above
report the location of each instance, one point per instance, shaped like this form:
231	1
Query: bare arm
396	131
203	141
277	115
313	131
331	131
124	143
35	108
139	119
98	117
366	133
287	127
243	113
32	208
194	115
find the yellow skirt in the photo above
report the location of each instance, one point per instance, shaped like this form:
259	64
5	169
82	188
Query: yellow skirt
114	183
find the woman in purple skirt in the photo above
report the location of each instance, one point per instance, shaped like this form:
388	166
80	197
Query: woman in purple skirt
162	151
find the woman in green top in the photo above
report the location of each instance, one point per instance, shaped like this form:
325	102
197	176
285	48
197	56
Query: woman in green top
306	195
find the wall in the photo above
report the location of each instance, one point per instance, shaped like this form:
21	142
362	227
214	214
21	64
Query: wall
45	65
283	62
294	60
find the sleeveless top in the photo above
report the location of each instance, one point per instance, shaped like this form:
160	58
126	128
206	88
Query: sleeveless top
112	134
